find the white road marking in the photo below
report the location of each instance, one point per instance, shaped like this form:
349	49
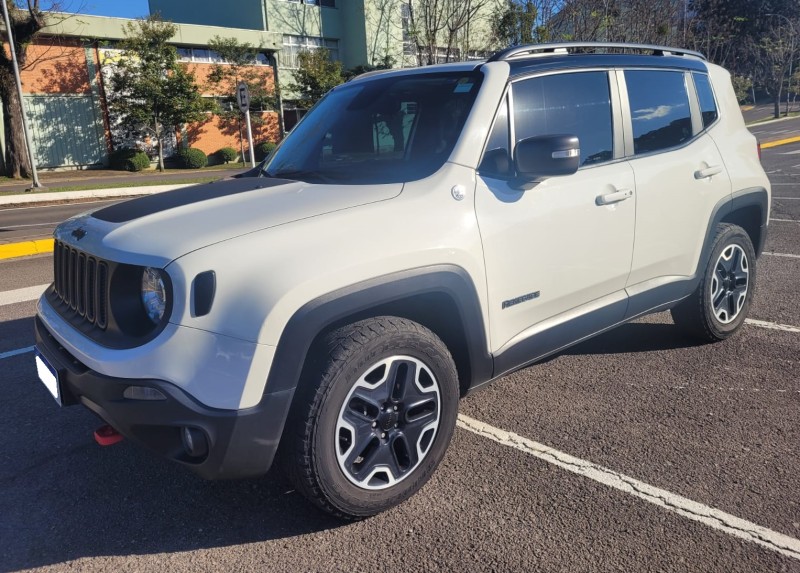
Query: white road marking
771	325
17	352
785	220
787	198
782	255
792	184
22	294
31	225
117	200
712	517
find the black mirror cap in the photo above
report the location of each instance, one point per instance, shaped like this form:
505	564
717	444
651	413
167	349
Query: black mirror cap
543	156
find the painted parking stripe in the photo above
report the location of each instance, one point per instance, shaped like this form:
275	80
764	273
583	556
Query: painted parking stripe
787	198
771	325
788	255
17	352
22	294
785	220
712	517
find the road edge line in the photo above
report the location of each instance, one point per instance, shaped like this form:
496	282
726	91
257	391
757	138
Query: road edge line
695	511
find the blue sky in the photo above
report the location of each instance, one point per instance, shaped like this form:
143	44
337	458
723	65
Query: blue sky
119	8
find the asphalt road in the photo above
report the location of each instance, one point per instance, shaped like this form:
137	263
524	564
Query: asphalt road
28	223
717	424
776	129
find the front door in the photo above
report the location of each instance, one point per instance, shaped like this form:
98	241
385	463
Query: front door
567	241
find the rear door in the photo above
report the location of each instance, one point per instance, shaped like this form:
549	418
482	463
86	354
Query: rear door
680	175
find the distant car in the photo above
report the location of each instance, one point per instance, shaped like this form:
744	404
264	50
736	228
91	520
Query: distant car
421	232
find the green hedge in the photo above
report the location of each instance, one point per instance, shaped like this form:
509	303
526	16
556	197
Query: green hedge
227	154
264	148
127	159
192	158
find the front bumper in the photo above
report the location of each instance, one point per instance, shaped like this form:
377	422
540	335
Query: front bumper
241	443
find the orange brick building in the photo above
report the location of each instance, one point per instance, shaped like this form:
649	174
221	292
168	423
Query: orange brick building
65	90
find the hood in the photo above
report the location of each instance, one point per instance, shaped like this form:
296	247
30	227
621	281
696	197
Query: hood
158	229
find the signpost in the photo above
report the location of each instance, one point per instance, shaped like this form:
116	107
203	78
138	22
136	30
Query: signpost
243	98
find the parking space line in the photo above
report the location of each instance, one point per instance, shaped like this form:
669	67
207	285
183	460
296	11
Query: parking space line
16	352
789	255
787	198
771	325
712	517
785	220
22	294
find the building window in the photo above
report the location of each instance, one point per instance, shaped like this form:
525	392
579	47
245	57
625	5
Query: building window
293	45
409	45
323	3
206	56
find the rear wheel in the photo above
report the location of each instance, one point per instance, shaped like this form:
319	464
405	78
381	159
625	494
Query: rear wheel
368	430
720	304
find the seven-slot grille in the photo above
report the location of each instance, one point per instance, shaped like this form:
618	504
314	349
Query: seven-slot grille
81	283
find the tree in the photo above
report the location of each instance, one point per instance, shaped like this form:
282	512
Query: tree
240	58
513	24
150	91
25	25
316	75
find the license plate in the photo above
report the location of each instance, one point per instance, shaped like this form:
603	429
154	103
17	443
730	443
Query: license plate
48	376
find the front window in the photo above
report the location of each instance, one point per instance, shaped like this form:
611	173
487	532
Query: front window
385	130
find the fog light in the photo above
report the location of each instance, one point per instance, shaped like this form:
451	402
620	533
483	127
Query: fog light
194	442
143	393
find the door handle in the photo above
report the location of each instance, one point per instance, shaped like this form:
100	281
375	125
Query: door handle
615	197
708	172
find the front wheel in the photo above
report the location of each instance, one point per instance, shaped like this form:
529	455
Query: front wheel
720	304
368	430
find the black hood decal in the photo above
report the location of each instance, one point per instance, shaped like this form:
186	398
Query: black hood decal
144	206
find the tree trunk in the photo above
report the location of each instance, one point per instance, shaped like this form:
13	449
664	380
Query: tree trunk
18	163
777	102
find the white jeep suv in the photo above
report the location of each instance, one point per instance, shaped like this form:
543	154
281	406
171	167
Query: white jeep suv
419	234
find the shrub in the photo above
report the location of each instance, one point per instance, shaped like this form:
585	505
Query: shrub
263	149
127	159
227	154
192	158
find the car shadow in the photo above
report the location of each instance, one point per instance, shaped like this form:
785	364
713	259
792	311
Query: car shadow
633	338
65	498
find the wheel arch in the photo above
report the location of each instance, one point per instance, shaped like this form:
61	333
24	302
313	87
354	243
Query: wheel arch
442	298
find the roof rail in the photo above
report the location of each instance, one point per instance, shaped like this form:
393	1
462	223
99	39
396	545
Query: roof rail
565	48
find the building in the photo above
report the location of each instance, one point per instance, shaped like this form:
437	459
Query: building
65	90
355	32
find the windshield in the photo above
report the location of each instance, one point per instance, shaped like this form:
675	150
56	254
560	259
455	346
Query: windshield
384	130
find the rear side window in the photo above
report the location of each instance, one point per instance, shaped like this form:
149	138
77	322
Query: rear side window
575	104
659	109
708	107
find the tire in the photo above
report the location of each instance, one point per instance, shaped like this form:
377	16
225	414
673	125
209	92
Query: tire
372	421
719	306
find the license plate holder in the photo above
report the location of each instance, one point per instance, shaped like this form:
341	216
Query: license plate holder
49	377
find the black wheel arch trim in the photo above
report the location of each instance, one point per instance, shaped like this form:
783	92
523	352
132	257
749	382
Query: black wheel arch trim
383	294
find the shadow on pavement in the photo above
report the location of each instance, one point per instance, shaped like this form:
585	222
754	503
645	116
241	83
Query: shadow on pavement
635	337
64	497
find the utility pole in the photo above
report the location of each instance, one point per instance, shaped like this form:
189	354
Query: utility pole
28	142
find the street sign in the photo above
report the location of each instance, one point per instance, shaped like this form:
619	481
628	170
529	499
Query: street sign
243	97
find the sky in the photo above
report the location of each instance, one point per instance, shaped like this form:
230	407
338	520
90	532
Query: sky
118	8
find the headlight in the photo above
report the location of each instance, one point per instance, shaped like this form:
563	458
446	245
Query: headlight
154	294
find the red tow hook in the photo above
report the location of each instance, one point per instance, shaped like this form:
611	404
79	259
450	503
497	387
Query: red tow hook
107	436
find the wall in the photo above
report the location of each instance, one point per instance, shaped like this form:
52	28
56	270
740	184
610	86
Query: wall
245	14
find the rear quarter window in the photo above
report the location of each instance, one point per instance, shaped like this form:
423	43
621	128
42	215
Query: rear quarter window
660	112
705	95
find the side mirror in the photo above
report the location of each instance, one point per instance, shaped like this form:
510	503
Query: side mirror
538	158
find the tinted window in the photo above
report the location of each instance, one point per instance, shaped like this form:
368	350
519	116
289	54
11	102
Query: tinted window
708	107
497	159
384	130
659	109
576	104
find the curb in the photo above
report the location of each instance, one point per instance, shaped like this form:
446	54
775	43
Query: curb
26	248
89	194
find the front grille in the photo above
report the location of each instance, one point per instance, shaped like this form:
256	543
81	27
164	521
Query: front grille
81	283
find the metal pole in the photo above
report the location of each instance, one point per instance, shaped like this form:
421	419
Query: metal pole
28	141
250	139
